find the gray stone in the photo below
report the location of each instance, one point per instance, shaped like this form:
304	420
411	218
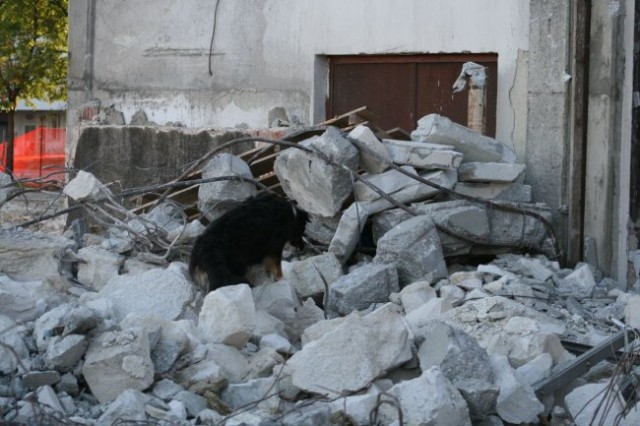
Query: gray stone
517	403
278	299
306	315
63	353
6	187
349	357
162	219
23	300
315	414
40	251
166	389
422	317
357	407
139	118
490	172
374	157
362	287
129	406
263	362
257	391
347	235
35	379
116	361
277	342
537	369
414	246
45	327
474	146
80	320
86	187
215	198
318	187
514	192
268	324
586	405
192	402
68	384
228	315
580	283
463	362
165	293
305	275
232	362
423	155
97	266
48	400
202	375
428	399
416	294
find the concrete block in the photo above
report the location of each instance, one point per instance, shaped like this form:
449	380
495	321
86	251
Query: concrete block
20	247
307	280
43	329
68	384
263	363
428	399
86	187
256	391
318	187
228	315
98	266
6	188
374	157
517	403
164	218
48	400
347	236
278	299
490	172
395	184
117	361
63	353
164	293
423	155
232	362
414	246
362	287
632	312
467	280
452	293
474	146
587	406
461	359
349	357
537	369
166	389
215	198
202	376
129	406
35	379
514	192
420	319
307	315
416	294
277	342
319	329
580	283
193	403
23	300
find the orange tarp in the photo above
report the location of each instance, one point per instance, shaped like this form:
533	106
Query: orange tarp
37	154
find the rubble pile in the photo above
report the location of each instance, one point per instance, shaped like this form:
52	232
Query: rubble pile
108	328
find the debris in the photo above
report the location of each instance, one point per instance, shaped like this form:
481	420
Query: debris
423	155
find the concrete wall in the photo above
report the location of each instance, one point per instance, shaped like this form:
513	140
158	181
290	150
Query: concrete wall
153	55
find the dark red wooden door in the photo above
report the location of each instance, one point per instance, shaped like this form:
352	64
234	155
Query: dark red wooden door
403	88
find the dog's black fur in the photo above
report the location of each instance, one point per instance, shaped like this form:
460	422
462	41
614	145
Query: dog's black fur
253	232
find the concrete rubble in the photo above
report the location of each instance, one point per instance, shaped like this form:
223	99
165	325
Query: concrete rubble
392	317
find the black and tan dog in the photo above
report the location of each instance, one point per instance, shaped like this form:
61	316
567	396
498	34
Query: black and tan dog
253	232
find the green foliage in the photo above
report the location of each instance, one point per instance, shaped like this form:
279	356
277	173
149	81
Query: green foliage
33	51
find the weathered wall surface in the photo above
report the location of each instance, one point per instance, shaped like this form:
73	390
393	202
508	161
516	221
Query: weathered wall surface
153	55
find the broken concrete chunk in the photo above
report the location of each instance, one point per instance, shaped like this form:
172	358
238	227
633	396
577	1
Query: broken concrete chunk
514	192
35	379
347	235
129	406
45	327
307	275
580	283
165	293
362	287
97	266
163	218
349	357
428	399
256	391
416	294
490	172
19	247
215	198
22	301
463	362
278	299
632	312
6	187
517	403
537	369
228	315
422	155
374	157
318	187
86	187
474	146
117	361
16	349
414	246
593	404
64	353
